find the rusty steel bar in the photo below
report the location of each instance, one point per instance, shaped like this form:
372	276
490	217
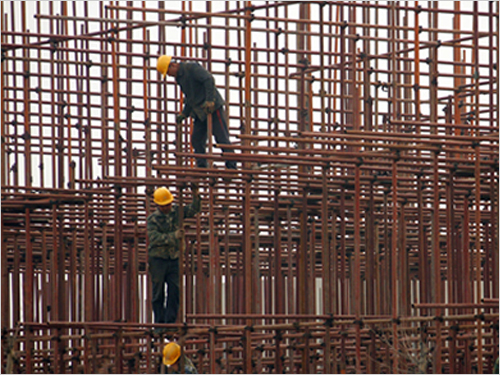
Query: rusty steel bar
367	136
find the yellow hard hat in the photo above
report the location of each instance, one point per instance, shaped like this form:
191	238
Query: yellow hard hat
163	196
162	64
171	353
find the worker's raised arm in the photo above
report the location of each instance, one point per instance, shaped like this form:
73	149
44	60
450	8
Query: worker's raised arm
192	209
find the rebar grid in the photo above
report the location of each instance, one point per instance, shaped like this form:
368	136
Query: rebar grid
367	140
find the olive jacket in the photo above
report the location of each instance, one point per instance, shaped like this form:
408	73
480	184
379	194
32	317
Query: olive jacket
161	230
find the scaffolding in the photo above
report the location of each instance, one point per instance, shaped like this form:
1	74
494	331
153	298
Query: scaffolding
358	234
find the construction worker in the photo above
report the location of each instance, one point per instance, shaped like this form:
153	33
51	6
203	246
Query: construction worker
166	239
173	358
201	99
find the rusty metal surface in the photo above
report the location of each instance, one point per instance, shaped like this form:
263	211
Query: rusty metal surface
366	136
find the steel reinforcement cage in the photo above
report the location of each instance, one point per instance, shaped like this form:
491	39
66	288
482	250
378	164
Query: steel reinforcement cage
358	234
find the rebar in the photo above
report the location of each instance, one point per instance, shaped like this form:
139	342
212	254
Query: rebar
358	234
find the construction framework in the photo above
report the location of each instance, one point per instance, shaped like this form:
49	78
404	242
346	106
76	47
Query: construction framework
358	234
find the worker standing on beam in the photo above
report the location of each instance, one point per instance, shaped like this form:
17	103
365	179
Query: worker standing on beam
201	99
166	240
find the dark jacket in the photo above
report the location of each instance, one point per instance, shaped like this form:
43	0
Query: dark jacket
198	86
188	367
161	230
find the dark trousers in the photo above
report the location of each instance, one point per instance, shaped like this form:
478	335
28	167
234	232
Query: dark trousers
165	272
219	130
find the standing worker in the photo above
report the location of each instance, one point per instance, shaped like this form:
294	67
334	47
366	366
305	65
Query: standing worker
201	99
166	239
172	358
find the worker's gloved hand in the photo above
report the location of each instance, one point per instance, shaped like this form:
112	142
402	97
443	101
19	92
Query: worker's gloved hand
179	233
209	106
180	117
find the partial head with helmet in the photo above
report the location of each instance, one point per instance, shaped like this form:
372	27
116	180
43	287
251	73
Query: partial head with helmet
171	353
162	196
165	66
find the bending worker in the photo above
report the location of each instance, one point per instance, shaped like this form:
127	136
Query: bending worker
173	358
201	99
166	239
